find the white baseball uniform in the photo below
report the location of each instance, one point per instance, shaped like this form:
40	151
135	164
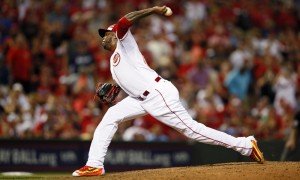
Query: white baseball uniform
149	93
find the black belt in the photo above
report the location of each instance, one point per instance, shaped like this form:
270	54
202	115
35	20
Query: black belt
146	93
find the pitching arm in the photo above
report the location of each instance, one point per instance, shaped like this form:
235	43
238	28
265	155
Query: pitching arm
136	15
125	22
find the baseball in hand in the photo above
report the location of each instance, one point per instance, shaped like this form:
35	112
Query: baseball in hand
168	12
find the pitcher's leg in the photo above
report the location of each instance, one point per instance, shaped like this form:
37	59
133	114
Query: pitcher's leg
127	109
204	134
164	104
179	119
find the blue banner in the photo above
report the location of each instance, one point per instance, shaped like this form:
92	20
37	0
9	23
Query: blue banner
148	155
69	155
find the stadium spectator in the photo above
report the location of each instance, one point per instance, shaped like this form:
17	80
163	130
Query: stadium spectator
19	55
51	50
238	81
285	91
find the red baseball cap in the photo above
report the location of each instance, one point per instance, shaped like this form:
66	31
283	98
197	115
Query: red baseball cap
112	28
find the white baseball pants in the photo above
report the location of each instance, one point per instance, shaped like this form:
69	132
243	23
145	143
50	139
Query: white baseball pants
163	104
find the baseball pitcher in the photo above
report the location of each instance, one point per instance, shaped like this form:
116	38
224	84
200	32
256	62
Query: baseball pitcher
148	93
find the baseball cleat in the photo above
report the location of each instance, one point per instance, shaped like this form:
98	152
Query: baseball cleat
256	154
88	171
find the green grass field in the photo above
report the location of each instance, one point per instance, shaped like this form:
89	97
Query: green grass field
37	176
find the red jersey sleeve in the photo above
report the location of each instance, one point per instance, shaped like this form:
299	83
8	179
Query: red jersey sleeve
122	27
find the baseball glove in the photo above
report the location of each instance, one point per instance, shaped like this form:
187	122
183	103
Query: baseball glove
107	92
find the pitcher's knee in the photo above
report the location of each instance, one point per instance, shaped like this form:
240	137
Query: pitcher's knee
184	131
192	130
112	115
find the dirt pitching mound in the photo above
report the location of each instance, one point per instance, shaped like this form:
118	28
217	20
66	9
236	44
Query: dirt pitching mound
269	170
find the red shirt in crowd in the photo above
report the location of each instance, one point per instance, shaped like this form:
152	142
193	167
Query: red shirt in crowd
19	60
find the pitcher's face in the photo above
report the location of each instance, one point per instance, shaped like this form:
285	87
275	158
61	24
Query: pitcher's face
109	41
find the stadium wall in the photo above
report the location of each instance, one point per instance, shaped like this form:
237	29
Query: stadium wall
63	156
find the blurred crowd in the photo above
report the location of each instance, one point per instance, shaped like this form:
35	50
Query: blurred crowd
236	65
